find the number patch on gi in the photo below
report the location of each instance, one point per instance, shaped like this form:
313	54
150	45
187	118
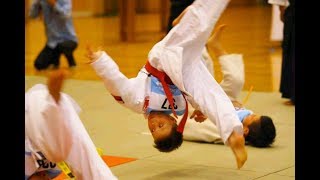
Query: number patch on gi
159	102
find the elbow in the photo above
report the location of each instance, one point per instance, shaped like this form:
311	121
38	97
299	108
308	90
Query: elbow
236	82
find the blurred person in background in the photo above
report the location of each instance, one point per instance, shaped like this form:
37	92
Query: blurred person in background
287	16
59	30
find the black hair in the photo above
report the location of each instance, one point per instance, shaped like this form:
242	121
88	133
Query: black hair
261	133
170	143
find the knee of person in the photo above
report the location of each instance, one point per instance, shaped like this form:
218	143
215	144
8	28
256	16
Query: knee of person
39	65
68	45
238	82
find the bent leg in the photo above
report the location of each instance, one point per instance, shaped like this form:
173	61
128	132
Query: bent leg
67	49
46	57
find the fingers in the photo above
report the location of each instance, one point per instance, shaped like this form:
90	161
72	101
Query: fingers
200	119
198	116
91	53
89	49
90	57
99	48
193	114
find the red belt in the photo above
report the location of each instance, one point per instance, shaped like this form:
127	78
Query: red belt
165	80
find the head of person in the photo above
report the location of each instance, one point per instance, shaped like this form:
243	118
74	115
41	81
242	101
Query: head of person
259	131
163	128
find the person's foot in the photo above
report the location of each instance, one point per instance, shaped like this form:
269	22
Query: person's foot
55	82
237	144
213	42
71	62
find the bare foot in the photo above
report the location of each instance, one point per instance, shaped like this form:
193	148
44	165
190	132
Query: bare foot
213	42
237	144
55	82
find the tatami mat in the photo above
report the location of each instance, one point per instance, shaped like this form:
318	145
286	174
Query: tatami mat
120	132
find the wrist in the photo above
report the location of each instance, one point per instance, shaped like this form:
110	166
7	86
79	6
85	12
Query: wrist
96	56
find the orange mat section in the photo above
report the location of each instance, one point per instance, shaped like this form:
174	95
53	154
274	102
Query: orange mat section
115	160
109	160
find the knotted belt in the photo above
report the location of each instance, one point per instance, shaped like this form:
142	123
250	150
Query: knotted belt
165	80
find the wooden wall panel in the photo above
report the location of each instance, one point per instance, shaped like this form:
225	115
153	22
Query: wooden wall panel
101	7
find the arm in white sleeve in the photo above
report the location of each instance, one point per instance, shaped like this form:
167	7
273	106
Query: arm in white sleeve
232	69
115	82
207	60
182	46
195	27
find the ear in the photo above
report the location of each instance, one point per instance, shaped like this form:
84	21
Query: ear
245	131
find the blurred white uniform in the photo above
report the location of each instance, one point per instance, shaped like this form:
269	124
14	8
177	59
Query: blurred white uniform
54	133
179	56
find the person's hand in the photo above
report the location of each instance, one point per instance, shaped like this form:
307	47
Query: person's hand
51	2
237	104
92	54
198	116
55	82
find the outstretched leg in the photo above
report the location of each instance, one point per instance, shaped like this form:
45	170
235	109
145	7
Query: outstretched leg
67	48
232	66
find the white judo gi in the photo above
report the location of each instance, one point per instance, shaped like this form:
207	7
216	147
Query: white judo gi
179	56
232	68
54	133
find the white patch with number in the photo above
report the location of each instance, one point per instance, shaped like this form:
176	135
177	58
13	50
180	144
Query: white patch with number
158	100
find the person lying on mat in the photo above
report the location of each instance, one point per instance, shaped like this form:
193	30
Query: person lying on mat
54	133
259	130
